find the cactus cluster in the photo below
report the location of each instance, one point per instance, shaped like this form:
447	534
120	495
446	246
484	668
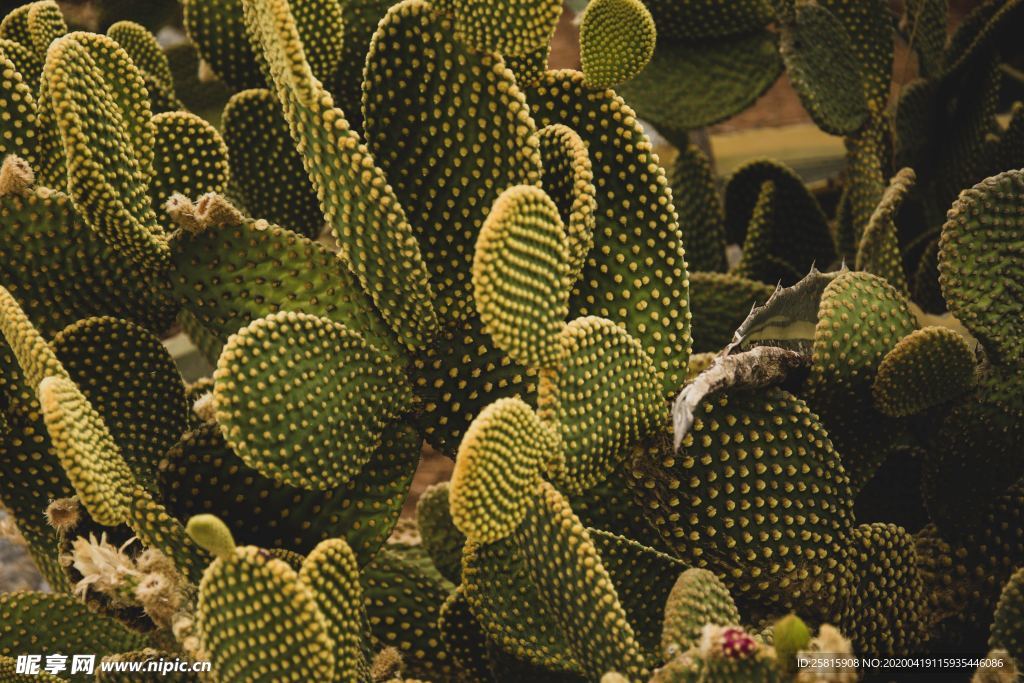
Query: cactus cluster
403	228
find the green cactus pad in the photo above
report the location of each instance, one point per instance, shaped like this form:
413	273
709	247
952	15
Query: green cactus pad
499	462
360	18
568	178
190	158
978	269
520	276
330	573
147	55
327	363
1009	618
824	69
45	25
256	131
698	598
758	261
616	41
926	368
869	27
202	475
726	654
408	109
613	507
692	20
865	185
403	605
460	375
272	269
770	442
720	302
567	571
462	637
630	236
441	538
24	60
879	250
107	128
52	622
15	25
18	127
131	380
927	25
801	237
504	600
260	622
688	86
155	528
885	613
9	673
514	27
370	224
860	319
607	399
61	271
643	579
87	451
696	197
33	354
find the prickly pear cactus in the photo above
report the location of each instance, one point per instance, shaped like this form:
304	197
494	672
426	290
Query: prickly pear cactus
675	401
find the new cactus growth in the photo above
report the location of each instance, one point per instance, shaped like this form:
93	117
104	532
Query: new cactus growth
402	229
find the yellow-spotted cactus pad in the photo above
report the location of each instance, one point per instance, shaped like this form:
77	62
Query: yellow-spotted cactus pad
869	27
148	56
696	198
568	178
926	368
422	111
787	544
190	158
979	268
497	470
1009	615
370	224
87	451
567	571
279	191
698	598
635	274
520	272
328	370
606	397
331	574
45	25
703	19
440	537
616	41
879	250
101	107
720	302
260	622
511	27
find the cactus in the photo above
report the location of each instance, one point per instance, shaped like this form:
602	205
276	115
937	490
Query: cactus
511	277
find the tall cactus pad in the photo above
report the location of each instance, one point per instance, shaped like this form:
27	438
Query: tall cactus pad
520	270
703	19
87	451
926	368
497	470
633	233
568	178
607	399
102	110
332	576
441	538
190	158
1008	625
695	195
616	41
879	250
698	598
260	622
567	570
416	118
332	371
370	224
979	264
256	132
514	27
868	24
